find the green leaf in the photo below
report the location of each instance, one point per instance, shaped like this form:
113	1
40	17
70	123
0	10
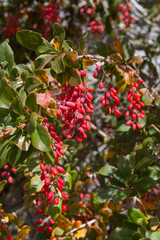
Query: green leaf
35	184
31	102
6	54
32	123
59	31
55	210
107	170
75	79
6	91
58	65
103	49
4	154
73	174
42	60
4	112
68	180
125	166
2	184
49	157
82	42
29	39
121	234
145	162
31	83
145	184
41	138
155	236
70	58
135	214
128	48
3	102
104	195
123	128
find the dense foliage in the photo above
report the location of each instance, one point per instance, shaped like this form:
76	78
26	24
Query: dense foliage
79	125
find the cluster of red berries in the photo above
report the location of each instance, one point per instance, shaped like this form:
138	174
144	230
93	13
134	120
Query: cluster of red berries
57	143
51	193
86	10
125	14
49	15
95	73
153	192
96	27
12	24
7	173
135	108
111	101
74	105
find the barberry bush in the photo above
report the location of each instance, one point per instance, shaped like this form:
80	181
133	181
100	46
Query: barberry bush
79	121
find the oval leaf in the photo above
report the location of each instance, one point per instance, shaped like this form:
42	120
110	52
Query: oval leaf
41	139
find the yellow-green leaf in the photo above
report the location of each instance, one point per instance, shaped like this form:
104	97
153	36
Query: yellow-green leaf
56	43
88	62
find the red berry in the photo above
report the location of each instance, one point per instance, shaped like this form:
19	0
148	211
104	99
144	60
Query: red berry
60	169
51	221
50	195
60	187
10	179
54	171
42	166
56	201
138	125
100	85
40	229
98	68
65	195
47	180
95	73
61	181
9	237
64	206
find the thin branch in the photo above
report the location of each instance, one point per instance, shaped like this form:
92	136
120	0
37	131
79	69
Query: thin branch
82	226
10	130
157	129
99	132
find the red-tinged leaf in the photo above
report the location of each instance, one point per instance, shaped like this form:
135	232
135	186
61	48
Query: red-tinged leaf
70	58
44	99
116	57
88	62
42	75
118	47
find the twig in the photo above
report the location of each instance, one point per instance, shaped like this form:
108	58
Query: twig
82	226
99	132
157	129
10	130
